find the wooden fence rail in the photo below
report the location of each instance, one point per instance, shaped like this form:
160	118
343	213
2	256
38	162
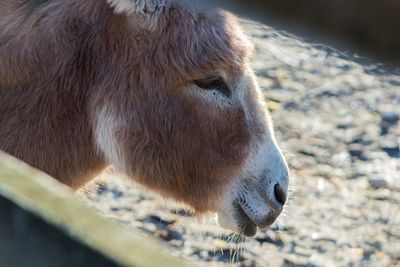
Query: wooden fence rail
42	225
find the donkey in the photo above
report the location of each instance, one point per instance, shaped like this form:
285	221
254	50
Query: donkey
159	88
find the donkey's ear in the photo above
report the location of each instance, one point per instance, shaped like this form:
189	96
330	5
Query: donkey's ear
142	7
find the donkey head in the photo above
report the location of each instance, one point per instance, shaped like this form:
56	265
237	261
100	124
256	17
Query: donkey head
183	114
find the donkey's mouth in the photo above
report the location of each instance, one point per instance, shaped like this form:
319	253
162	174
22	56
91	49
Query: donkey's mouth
248	223
244	222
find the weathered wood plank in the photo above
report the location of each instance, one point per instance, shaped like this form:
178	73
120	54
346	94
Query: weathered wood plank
41	224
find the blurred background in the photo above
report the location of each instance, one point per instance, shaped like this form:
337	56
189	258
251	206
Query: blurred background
365	27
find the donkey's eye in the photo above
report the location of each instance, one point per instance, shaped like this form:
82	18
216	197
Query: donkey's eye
214	83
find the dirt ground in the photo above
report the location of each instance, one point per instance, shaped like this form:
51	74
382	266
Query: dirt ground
338	124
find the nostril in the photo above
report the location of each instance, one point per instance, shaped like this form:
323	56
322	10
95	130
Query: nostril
280	194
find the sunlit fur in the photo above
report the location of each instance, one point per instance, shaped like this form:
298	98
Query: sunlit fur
88	83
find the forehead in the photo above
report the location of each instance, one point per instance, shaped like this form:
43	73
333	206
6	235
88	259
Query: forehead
196	41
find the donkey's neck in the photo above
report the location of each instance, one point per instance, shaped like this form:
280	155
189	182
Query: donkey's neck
44	95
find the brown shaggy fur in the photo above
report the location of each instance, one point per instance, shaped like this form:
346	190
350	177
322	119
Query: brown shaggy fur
62	63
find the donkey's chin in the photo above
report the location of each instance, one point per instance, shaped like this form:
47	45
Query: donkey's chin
241	220
244	221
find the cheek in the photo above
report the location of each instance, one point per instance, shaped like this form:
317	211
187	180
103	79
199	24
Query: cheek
222	133
187	151
223	144
216	148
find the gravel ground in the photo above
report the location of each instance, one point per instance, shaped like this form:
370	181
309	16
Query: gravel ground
338	124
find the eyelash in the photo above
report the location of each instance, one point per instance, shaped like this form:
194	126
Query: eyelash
214	83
